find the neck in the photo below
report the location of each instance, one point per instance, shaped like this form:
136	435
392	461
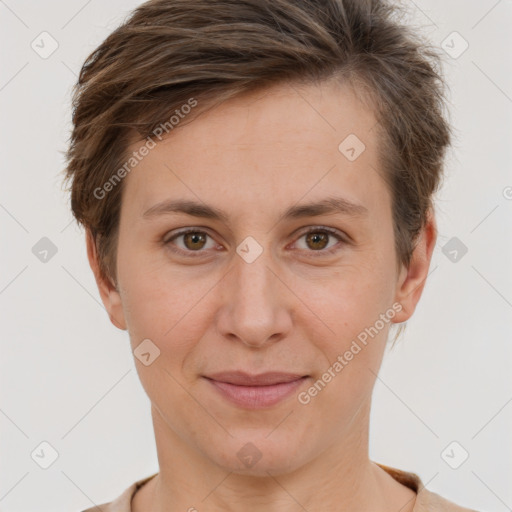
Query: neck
342	478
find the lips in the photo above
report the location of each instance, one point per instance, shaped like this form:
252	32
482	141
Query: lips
255	391
264	379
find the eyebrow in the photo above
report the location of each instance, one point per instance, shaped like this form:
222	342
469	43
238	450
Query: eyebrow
327	206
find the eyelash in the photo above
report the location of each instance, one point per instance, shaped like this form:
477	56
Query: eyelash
321	252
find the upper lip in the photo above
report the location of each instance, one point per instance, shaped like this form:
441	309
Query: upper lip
263	379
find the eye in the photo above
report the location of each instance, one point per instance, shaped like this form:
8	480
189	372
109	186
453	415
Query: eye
318	238
192	241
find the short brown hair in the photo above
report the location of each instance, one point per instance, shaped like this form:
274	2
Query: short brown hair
169	51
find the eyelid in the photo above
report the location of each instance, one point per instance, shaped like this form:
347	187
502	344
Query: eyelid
184	231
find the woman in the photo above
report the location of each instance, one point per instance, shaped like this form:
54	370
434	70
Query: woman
256	179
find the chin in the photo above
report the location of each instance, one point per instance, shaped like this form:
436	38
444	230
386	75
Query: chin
256	455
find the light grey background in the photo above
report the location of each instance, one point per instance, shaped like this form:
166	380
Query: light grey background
67	375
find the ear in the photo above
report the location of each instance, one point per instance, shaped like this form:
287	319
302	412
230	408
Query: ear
412	279
109	294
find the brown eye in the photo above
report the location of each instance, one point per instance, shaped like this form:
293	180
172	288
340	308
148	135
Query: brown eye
317	240
320	240
191	242
194	240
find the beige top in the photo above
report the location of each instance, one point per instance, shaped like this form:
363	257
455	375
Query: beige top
426	501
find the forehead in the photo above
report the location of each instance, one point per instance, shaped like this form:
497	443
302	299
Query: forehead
314	117
282	142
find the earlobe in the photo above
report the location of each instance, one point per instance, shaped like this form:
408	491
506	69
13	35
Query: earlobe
109	294
412	279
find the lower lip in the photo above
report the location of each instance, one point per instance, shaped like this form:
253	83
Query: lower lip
256	397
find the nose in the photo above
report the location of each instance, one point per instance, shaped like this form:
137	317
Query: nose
256	304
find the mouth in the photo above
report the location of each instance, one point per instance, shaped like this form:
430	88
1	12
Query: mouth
255	391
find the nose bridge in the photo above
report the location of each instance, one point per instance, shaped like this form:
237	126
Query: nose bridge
254	280
253	307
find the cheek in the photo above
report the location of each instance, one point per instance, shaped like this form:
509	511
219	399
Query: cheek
350	298
347	324
168	308
353	346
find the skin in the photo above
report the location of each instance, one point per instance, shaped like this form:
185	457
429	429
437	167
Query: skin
295	308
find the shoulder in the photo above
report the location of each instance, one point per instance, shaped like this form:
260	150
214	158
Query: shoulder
430	501
123	503
426	501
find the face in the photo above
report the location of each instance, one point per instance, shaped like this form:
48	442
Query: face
266	284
